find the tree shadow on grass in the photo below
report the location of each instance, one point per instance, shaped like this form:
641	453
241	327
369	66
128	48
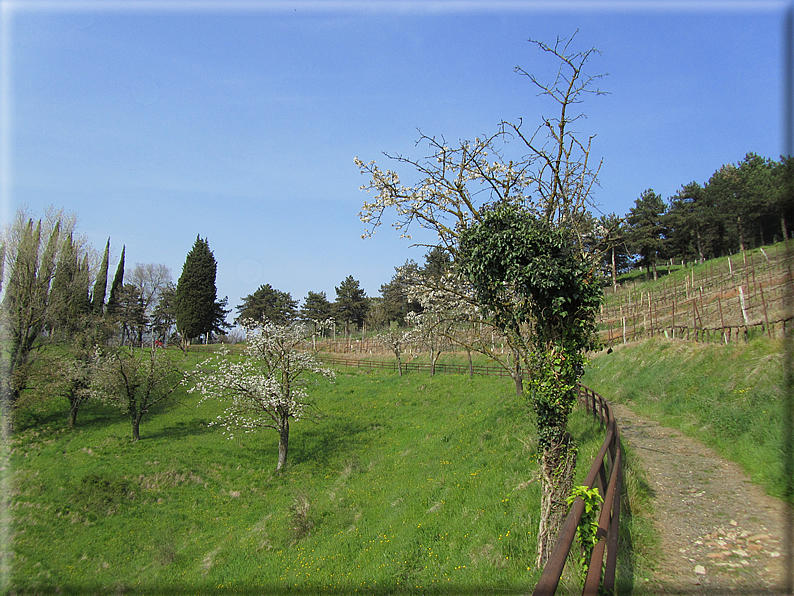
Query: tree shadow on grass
328	440
56	417
180	429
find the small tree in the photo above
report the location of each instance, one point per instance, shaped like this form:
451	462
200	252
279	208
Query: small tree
265	389
70	373
396	340
432	329
135	381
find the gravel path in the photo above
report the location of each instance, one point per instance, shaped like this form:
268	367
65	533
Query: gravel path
720	534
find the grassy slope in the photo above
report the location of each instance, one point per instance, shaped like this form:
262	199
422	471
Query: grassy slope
728	396
402	483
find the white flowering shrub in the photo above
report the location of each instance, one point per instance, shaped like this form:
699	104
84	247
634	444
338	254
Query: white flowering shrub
266	387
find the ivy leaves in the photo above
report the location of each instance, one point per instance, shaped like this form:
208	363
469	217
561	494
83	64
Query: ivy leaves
531	280
524	269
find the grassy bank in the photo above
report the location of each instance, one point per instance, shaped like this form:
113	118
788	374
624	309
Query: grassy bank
727	396
399	485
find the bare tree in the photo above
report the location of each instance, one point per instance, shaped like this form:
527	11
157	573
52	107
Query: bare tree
563	179
150	279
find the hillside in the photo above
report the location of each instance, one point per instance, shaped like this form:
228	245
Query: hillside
730	397
399	484
726	299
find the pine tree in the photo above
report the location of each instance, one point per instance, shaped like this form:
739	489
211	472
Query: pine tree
195	300
351	303
100	286
647	235
268	303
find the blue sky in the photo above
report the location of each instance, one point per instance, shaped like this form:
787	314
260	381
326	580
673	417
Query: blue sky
155	122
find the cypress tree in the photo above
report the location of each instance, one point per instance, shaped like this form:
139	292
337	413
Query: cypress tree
62	293
101	284
118	283
194	303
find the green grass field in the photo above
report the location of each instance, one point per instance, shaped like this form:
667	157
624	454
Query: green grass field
399	485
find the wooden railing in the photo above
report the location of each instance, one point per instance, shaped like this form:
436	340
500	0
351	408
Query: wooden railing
460	369
606	473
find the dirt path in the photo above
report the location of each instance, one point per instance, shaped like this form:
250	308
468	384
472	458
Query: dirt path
720	534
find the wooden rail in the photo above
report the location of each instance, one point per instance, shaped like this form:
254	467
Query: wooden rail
605	472
606	465
415	366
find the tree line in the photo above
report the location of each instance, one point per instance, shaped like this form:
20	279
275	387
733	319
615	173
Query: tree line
57	291
741	206
351	308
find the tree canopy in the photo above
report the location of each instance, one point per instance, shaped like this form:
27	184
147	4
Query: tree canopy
268	304
195	298
351	302
316	308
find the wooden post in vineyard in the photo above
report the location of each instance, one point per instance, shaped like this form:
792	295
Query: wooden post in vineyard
672	327
766	317
722	319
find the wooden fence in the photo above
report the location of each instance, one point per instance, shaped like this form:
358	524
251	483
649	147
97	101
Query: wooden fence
606	473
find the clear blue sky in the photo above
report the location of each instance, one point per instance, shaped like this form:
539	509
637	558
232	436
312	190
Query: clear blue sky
240	121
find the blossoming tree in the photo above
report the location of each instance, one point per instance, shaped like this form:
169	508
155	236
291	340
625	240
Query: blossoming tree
548	181
265	388
396	340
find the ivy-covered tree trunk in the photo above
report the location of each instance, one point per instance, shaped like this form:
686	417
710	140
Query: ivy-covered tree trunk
557	465
553	395
543	294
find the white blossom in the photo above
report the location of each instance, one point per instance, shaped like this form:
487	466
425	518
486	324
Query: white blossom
265	387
